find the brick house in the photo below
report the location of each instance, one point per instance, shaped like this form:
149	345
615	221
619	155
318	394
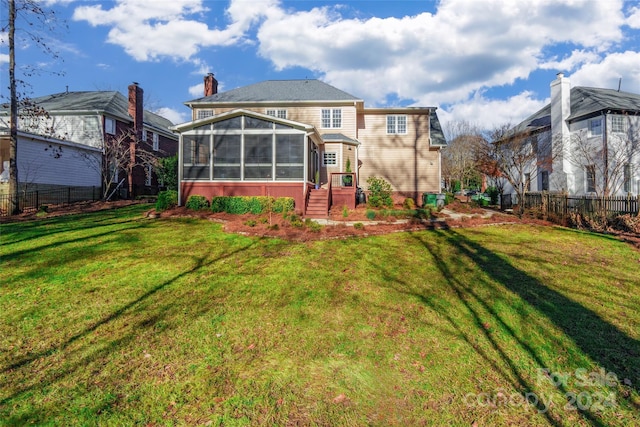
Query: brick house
271	138
89	119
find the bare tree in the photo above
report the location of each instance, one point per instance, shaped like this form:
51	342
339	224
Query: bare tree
608	160
35	17
517	158
121	154
459	159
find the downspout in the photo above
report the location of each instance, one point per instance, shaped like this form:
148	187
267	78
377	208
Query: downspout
605	143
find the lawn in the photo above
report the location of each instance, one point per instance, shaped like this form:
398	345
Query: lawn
110	318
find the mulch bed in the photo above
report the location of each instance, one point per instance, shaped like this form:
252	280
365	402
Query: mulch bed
275	225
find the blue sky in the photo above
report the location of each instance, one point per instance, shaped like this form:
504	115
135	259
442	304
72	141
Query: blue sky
488	62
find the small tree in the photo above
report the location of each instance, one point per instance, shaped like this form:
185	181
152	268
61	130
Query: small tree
379	192
517	158
167	172
459	160
120	155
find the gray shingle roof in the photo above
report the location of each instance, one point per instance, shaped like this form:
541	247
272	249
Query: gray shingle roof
585	101
280	91
338	137
112	103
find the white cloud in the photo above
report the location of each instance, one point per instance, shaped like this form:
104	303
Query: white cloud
197	91
606	74
488	114
150	31
570	62
463	47
633	20
174	115
4	58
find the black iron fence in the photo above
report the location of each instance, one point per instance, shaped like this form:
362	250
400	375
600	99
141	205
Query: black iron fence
30	201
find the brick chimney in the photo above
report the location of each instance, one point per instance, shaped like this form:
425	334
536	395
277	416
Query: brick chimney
136	95
210	85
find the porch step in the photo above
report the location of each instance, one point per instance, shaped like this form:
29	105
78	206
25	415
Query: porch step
317	205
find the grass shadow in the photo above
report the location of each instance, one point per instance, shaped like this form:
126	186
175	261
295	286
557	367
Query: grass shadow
602	342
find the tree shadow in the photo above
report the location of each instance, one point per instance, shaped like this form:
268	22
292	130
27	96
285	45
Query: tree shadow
479	279
133	305
602	342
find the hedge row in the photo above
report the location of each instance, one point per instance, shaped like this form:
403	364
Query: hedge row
253	204
230	204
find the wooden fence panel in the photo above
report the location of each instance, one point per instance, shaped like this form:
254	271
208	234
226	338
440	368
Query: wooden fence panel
561	205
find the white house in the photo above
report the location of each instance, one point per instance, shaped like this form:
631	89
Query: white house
595	134
46	163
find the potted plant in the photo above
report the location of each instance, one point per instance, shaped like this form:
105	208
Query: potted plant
317	179
347	180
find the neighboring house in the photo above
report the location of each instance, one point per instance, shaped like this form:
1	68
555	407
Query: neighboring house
90	119
271	138
47	163
595	135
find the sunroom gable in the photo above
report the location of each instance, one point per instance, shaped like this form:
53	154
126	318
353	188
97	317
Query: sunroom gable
232	120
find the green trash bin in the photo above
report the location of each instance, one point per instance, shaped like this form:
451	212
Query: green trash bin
429	199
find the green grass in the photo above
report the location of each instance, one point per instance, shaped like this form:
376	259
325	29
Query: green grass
113	319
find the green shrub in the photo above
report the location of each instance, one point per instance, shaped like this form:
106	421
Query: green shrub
250	223
296	221
409	203
283	204
358	226
167	172
313	226
167	200
370	214
251	204
379	192
493	194
196	203
345	212
449	198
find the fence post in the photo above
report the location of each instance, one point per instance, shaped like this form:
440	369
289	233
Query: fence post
68	195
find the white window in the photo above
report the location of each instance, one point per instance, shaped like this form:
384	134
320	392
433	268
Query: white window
203	114
330	158
331	118
595	127
397	124
279	113
617	124
144	134
156	142
147	180
109	126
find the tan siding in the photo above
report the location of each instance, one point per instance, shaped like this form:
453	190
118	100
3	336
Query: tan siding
406	161
305	114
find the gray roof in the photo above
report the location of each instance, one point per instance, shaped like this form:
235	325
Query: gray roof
338	137
112	103
437	135
585	102
280	91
